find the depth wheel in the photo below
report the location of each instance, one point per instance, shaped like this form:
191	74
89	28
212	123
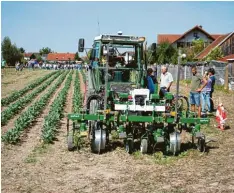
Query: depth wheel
144	146
70	143
98	142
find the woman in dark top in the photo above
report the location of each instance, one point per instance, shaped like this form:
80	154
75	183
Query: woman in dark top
211	73
150	80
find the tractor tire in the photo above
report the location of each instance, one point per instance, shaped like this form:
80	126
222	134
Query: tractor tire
70	143
144	146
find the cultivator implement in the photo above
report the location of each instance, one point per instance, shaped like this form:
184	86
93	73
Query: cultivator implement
118	100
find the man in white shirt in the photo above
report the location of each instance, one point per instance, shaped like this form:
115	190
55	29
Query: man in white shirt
165	81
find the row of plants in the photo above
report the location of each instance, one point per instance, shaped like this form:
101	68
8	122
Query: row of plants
52	120
16	107
17	94
83	76
77	96
26	118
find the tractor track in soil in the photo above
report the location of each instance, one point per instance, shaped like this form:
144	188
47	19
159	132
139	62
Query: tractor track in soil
10	123
59	170
17	154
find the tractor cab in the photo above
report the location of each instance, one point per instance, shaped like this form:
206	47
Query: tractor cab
116	62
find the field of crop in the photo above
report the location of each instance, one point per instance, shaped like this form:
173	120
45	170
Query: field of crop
34	155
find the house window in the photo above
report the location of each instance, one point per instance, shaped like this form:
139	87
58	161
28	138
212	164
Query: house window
180	44
195	34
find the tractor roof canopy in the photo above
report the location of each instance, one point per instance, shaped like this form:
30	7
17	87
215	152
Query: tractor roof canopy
120	39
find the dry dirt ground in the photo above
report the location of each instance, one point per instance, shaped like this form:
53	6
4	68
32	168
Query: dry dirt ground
33	167
15	80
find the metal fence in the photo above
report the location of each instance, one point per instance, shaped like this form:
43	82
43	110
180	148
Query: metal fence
186	72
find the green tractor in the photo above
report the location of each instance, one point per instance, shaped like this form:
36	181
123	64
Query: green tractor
118	100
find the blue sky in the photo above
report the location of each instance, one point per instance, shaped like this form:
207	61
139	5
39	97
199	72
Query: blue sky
59	25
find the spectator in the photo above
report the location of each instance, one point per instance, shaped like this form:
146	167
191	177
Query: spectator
196	87
211	73
17	66
151	80
205	94
3	64
166	81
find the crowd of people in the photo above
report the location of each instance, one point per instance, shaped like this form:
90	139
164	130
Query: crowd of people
200	95
61	66
201	91
31	65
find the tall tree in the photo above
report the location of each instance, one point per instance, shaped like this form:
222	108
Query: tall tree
45	51
215	54
10	52
166	53
22	50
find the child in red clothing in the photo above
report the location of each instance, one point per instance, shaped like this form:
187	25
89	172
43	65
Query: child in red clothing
221	116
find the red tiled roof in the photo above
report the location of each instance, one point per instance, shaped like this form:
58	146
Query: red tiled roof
215	36
226	58
171	38
167	37
60	56
207	50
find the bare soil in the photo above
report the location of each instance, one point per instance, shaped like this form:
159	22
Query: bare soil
12	80
35	168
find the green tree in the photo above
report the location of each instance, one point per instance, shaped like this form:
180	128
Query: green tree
6	49
76	56
45	51
215	54
22	50
166	53
33	56
39	58
11	54
198	46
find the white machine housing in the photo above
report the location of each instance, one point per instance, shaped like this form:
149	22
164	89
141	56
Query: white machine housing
134	107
